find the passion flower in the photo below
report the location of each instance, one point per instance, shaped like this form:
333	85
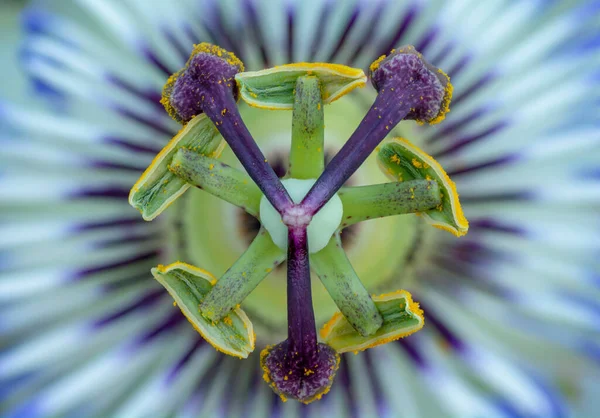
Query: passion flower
302	216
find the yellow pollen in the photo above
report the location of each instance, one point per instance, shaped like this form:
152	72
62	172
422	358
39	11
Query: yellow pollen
375	65
445	106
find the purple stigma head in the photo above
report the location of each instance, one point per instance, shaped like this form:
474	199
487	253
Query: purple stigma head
209	69
406	73
292	375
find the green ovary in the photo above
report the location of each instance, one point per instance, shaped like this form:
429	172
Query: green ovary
379	251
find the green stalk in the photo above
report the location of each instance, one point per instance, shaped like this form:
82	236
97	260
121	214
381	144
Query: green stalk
261	257
387	199
306	154
217	178
345	288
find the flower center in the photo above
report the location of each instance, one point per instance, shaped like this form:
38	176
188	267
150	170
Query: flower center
248	226
210	233
313	197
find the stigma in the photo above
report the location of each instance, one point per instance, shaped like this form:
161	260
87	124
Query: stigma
305	377
187	89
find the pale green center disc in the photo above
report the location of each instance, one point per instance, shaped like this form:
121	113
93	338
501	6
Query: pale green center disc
321	227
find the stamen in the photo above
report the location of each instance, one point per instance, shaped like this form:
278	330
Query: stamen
408	88
274	88
207	84
188	285
401	317
299	367
157	188
399	159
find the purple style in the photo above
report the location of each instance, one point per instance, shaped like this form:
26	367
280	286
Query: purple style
299	367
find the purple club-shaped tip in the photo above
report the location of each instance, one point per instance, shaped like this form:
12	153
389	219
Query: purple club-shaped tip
207	67
405	69
292	375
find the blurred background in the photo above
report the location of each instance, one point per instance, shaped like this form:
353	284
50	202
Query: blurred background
568	347
11	36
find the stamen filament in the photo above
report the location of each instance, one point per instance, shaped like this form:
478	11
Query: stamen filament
379	200
306	153
261	257
345	288
218	179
